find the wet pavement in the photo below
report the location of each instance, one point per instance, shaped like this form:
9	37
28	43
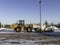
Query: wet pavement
8	37
24	38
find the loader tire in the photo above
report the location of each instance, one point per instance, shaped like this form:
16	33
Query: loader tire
18	29
29	29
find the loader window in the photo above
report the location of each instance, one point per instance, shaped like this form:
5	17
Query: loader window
21	22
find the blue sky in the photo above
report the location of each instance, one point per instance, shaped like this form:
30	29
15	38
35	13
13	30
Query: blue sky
28	10
51	10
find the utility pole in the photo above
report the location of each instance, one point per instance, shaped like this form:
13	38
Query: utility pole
40	13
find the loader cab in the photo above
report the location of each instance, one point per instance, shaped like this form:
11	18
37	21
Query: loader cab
21	22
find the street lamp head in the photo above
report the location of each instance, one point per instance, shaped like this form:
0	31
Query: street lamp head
40	1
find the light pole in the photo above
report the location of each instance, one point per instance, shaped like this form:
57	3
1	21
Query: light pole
40	13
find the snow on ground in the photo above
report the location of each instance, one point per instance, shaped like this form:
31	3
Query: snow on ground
6	30
57	30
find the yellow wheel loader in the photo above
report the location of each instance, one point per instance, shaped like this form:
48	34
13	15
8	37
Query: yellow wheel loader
21	26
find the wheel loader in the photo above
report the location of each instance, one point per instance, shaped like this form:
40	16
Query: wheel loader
21	26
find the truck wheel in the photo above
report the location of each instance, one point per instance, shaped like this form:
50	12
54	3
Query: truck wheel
18	29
